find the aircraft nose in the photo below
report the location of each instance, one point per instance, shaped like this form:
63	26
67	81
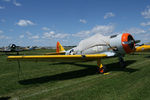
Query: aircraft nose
128	42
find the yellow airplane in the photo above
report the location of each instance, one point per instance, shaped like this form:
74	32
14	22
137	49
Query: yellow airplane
142	48
93	48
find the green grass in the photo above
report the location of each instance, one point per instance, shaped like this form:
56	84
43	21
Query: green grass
76	81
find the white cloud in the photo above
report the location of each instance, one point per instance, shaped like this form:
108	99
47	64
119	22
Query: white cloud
34	37
2	20
108	15
145	23
1	31
101	29
21	36
2	7
59	35
49	34
82	33
83	21
28	33
136	31
4	37
52	34
146	12
46	29
16	3
7	0
11	30
23	22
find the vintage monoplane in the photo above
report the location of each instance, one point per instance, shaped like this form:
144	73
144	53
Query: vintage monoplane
93	48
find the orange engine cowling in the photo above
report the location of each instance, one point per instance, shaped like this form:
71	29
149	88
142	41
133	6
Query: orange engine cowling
124	43
128	42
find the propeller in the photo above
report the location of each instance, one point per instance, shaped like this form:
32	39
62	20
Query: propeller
13	46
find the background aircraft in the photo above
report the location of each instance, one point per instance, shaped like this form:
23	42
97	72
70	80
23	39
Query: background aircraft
11	48
142	48
93	48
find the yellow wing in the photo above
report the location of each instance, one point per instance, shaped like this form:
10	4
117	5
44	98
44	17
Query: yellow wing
58	57
143	48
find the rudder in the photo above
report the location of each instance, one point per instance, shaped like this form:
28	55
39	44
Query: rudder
59	48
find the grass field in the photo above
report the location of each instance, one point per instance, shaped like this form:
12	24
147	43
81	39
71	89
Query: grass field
76	81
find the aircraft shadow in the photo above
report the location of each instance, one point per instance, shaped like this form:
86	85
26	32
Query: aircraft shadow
89	70
147	57
62	76
5	98
140	53
116	67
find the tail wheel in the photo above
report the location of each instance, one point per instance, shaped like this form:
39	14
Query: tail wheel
102	69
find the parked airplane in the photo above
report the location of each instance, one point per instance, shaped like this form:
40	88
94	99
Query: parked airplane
11	48
142	48
93	48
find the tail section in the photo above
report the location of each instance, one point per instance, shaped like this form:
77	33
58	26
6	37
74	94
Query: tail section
59	48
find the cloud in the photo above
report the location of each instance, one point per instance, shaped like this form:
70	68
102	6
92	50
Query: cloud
1	31
99	29
23	22
83	21
28	33
136	31
3	36
146	12
2	20
103	29
2	7
59	35
145	23
108	15
48	34
46	29
82	33
21	36
7	0
53	34
16	3
34	37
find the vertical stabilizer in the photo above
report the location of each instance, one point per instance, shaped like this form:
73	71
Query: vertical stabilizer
59	48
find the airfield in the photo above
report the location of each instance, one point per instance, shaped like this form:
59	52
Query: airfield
75	81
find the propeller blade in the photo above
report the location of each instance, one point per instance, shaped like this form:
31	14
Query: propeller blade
137	41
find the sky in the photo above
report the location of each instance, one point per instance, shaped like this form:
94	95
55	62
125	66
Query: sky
44	22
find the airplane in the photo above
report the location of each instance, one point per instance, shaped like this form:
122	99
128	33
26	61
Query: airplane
28	48
142	48
93	48
11	48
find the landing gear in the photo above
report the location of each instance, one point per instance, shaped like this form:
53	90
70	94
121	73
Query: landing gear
122	63
101	68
